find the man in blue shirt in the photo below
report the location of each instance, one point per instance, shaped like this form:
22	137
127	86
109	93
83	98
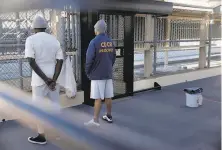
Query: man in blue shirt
100	58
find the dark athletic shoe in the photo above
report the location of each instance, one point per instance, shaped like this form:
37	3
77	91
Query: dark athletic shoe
40	139
108	118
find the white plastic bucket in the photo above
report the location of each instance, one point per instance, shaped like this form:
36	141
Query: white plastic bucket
194	100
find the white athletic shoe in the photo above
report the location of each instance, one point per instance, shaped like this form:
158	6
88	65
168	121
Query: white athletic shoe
92	123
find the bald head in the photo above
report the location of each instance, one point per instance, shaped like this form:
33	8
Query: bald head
100	27
39	24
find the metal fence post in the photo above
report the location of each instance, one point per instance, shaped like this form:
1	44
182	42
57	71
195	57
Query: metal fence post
18	37
78	45
203	42
148	53
168	31
210	41
73	45
155	45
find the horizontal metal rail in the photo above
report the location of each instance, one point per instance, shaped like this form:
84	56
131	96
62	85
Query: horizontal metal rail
180	48
167	41
17	56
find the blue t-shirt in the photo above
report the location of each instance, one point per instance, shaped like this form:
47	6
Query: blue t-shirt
100	58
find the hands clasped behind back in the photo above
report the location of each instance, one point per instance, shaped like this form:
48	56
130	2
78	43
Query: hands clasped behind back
51	84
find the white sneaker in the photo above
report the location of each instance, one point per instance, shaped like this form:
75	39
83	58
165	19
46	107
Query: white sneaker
92	123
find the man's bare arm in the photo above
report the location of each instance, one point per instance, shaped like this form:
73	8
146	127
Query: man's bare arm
38	71
58	69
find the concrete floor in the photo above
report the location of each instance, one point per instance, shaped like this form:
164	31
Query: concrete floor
147	121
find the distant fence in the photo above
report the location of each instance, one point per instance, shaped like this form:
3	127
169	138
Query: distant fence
176	44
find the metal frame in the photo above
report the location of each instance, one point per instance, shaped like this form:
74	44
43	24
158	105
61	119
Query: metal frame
129	53
128	56
88	19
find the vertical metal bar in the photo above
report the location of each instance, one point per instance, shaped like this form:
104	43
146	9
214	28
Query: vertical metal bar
73	42
170	33
129	54
114	26
194	30
179	26
141	30
74	23
173	33
164	31
176	30
117	29
137	29
110	26
79	58
19	49
209	44
198	29
74	59
121	30
68	29
191	30
181	30
185	29
1	29
158	34
73	30
144	32
134	35
155	45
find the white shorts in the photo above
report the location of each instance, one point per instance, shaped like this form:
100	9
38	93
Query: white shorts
41	92
101	89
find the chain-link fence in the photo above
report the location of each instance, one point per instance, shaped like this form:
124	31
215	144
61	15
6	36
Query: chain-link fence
15	27
175	46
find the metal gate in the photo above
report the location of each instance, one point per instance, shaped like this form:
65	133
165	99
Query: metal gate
119	26
121	31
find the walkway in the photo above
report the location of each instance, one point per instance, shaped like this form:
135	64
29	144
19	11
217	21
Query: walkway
148	121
